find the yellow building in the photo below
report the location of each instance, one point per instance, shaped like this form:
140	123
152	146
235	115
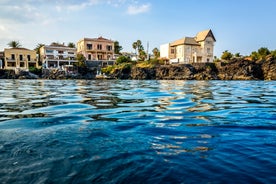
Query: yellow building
198	49
20	58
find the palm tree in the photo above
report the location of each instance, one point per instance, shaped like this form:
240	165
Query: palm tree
71	45
139	45
134	46
156	52
117	47
37	49
14	44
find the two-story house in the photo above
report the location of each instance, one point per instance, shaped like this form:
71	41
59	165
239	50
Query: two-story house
20	58
95	49
198	49
57	55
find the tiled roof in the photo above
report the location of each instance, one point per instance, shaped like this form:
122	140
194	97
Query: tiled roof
98	39
203	34
185	41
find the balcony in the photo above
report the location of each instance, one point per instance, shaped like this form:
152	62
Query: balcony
10	60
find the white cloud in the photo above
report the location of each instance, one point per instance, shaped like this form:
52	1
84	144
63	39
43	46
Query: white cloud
138	9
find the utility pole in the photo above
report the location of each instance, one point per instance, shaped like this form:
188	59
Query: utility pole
148	50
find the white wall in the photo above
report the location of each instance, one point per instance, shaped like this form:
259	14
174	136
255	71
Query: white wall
164	50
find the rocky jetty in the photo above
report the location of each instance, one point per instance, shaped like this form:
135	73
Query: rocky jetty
236	69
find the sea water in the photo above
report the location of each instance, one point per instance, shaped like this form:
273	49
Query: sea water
128	131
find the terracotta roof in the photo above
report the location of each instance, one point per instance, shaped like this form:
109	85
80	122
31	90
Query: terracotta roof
185	41
98	39
19	48
203	34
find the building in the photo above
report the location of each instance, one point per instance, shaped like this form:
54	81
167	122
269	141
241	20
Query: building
198	49
57	56
96	49
20	58
2	58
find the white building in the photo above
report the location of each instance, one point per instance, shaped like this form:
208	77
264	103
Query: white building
198	49
57	56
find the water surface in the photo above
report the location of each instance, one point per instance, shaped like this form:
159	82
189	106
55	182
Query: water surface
137	131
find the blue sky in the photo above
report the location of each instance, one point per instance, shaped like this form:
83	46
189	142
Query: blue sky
239	25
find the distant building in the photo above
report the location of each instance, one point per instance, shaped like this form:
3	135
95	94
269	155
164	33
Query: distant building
57	56
198	49
20	58
97	49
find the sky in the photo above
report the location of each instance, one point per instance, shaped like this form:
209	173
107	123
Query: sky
239	26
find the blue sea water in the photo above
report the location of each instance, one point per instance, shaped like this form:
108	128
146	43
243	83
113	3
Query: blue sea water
120	131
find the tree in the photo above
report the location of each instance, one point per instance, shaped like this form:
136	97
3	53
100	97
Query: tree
237	55
226	55
123	59
14	44
263	52
156	52
117	47
37	49
142	55
273	54
71	45
254	56
134	46
81	60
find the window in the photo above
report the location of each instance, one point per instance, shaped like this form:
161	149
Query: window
109	47
29	57
71	53
49	51
208	50
99	47
13	57
89	46
89	57
21	57
60	51
172	51
208	60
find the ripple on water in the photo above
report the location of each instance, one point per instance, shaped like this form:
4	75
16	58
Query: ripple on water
137	131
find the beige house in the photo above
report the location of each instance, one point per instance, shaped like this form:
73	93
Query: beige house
198	49
96	49
20	58
57	56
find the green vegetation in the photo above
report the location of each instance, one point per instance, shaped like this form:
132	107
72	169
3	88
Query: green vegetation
261	54
156	52
117	47
226	55
81	60
71	45
37	71
37	49
123	59
140	48
14	44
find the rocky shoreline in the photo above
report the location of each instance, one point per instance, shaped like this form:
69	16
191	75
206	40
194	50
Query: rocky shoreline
236	69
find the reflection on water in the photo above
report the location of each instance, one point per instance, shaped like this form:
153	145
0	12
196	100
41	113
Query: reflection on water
137	131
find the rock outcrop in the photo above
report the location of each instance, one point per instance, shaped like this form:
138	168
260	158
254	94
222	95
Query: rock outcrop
236	69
